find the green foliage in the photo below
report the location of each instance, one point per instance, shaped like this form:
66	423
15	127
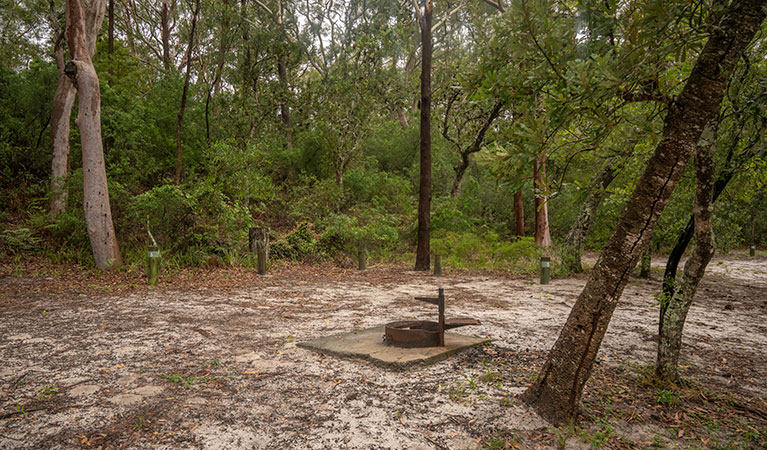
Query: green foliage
667	398
297	245
468	250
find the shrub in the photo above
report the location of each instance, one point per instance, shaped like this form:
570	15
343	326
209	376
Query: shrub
297	245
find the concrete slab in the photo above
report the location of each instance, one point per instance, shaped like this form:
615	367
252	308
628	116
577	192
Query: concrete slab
368	345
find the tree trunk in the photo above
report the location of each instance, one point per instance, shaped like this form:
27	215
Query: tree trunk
670	339
61	109
165	14
111	28
282	71
672	263
559	385
223	48
475	146
282	74
182	109
519	213
573	248
423	257
542	233
98	214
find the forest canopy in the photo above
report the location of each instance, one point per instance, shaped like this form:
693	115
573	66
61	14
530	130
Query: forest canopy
217	116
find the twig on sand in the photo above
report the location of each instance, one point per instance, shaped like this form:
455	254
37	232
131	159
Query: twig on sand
436	444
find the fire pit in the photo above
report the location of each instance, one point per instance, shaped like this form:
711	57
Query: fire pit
424	333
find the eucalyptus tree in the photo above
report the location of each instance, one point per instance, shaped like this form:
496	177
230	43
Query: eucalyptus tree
80	70
737	132
64	99
559	385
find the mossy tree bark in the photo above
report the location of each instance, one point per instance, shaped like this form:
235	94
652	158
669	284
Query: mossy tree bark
670	339
560	382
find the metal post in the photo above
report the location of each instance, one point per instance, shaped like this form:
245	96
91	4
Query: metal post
441	325
153	265
752	250
545	269
437	265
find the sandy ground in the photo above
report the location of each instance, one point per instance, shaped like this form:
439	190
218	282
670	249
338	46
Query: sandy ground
198	368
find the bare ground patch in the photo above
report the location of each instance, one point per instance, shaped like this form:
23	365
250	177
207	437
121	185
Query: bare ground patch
209	360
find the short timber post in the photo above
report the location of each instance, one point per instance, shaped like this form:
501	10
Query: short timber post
153	265
361	258
545	269
437	265
259	243
441	324
752	250
644	271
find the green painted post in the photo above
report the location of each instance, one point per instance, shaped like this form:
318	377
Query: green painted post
752	250
545	269
437	265
153	265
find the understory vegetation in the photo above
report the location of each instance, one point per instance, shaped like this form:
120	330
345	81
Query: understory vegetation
320	143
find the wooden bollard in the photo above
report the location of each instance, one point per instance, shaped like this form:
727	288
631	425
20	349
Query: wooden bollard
644	270
361	258
258	240
437	265
752	250
153	265
545	269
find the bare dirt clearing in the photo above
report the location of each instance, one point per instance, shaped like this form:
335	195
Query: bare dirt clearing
209	360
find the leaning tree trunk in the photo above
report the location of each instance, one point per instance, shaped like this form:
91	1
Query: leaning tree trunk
422	257
542	232
98	214
573	248
670	339
672	263
63	101
559	385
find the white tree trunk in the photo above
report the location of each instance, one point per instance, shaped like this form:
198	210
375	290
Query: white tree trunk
61	110
98	214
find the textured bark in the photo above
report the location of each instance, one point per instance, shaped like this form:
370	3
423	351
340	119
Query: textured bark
672	263
519	213
542	232
98	214
423	257
465	154
61	109
559	385
573	248
670	339
182	109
